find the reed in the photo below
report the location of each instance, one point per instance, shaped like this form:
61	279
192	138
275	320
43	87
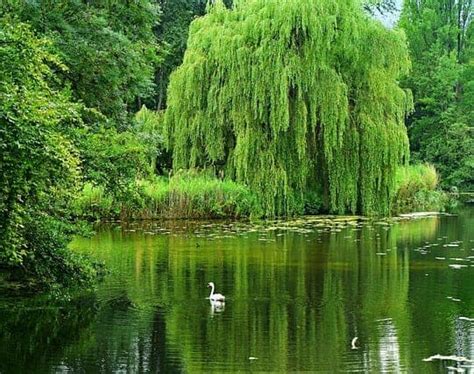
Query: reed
185	195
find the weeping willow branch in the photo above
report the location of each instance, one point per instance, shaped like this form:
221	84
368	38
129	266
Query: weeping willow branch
291	97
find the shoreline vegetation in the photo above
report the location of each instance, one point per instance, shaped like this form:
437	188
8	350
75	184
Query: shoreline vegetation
200	195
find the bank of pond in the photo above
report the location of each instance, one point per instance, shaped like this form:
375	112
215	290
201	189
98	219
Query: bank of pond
195	194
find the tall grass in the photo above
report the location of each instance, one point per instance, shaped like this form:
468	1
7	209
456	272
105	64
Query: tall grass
185	195
190	195
417	190
194	194
93	203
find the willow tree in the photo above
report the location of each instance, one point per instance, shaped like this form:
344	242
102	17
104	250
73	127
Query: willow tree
291	97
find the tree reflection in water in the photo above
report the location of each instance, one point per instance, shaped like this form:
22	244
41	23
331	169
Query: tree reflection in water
296	300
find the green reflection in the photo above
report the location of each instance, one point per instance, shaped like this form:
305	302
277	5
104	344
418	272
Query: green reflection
295	299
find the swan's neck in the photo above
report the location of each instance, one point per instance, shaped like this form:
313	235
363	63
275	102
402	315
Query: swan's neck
212	291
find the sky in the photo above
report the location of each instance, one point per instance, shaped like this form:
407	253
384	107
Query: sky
389	20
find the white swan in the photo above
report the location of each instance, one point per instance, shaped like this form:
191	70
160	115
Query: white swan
215	296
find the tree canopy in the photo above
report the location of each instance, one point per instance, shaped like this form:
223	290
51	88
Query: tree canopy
109	48
440	35
291	97
38	163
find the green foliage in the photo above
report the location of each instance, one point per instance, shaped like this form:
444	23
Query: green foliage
38	163
186	195
195	195
313	203
93	203
108	46
35	158
49	261
149	131
442	81
451	146
112	162
417	177
200	196
113	159
417	190
294	96
172	33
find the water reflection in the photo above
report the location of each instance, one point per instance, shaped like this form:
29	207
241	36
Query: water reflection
295	299
217	307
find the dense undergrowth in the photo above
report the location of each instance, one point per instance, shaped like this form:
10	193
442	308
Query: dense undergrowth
201	195
185	195
417	190
46	262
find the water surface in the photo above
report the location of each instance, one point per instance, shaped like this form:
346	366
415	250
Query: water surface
297	294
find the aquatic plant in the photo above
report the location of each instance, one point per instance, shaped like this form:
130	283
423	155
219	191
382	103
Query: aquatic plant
293	96
190	194
93	202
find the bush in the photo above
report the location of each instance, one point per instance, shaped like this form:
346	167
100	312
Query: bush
417	190
48	263
93	203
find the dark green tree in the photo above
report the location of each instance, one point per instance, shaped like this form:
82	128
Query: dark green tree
172	33
440	36
108	46
38	164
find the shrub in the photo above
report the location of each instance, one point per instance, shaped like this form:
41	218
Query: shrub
93	203
417	190
48	263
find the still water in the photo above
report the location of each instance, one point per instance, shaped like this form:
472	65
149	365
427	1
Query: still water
297	293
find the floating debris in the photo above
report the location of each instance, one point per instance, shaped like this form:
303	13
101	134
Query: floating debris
420	215
457	266
453	298
466	319
458	370
450	358
251	358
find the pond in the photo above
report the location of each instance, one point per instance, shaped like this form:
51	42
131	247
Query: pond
297	294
